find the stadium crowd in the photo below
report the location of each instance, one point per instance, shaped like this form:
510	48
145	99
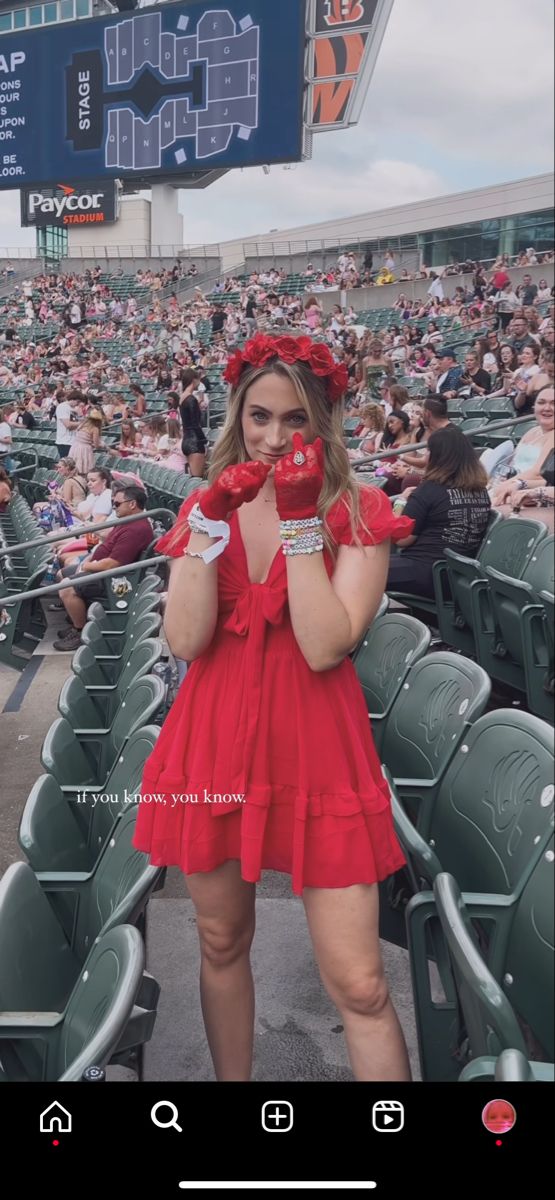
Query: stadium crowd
53	366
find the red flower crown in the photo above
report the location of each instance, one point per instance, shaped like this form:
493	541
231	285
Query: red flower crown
261	349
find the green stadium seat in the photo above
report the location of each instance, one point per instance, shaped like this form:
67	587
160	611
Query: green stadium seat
40	1047
115	892
391	645
473	407
508	546
539	667
498	605
490	826
115	623
62	830
442	695
507	1008
112	658
511	1066
81	757
107	696
85	905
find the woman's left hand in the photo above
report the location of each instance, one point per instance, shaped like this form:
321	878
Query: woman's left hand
298	479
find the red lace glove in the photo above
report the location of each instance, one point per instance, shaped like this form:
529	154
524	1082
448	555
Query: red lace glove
298	479
235	486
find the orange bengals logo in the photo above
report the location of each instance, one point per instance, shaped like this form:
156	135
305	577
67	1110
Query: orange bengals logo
335	57
341	12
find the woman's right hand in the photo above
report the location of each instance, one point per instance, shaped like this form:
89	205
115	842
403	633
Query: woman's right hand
235	486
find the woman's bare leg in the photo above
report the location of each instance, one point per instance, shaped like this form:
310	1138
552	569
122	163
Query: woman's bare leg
196	465
225	912
344	927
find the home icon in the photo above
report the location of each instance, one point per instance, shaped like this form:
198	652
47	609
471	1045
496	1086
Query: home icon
55	1119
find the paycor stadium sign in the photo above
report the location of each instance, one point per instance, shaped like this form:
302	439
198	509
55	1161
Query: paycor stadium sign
65	205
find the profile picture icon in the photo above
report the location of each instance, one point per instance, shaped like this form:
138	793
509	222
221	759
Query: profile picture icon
498	1116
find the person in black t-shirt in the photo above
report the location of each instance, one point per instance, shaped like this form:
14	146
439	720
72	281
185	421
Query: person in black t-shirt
475	378
527	291
450	508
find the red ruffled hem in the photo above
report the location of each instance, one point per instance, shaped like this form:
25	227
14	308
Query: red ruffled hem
303	837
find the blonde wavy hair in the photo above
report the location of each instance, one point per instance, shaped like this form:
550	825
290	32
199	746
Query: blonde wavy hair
326	422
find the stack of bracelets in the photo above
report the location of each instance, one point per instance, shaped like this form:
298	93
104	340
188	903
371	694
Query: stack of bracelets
301	536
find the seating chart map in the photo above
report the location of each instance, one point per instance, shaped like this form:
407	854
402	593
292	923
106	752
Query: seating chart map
163	90
203	84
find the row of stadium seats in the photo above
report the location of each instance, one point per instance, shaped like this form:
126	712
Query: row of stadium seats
68	915
498	607
473	810
22	625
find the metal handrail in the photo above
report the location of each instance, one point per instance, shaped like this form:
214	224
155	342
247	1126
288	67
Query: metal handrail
490	426
51	589
69	534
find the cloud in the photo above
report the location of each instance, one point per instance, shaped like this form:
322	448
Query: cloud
474	80
245	203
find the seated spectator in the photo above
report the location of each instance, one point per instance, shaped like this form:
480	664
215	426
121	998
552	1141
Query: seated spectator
544	294
509	364
523	380
450	508
96	507
540	497
169	446
395	397
519	333
396	434
475	379
449	380
138	408
416	419
72	488
533	450
129	441
155	428
410	467
23	414
371	430
121	547
6	489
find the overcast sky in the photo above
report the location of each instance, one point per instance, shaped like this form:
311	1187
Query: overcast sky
462	97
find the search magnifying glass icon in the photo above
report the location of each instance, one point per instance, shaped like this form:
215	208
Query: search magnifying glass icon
172	1123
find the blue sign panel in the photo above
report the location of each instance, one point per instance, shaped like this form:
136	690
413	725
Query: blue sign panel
158	93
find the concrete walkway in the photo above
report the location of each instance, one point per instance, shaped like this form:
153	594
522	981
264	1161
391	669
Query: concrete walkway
298	1030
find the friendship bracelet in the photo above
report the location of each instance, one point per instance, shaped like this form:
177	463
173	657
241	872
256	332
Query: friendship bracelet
289	551
296	525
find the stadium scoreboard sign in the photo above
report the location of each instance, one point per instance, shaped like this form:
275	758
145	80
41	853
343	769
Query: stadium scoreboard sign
66	205
344	42
159	93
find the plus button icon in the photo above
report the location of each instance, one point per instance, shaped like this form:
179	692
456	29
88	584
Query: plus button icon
277	1116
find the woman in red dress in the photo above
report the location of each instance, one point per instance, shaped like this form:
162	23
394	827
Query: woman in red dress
266	760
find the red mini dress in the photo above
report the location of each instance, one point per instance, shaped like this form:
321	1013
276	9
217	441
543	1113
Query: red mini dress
262	759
